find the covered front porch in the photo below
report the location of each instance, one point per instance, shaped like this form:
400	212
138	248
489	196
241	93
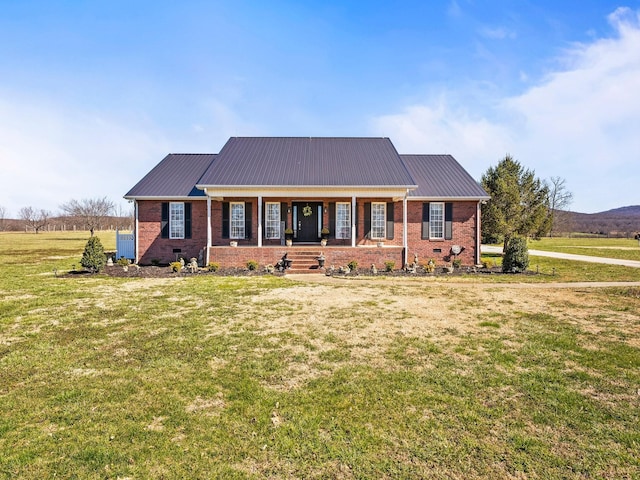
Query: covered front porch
369	227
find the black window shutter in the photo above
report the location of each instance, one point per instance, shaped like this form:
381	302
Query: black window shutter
225	220
390	221
164	220
425	221
332	219
247	219
448	221
283	216
187	220
367	220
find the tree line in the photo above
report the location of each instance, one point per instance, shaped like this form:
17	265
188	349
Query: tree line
89	213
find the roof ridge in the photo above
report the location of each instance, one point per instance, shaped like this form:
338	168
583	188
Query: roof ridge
311	137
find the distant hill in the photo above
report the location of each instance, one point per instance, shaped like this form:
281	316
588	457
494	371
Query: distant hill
623	221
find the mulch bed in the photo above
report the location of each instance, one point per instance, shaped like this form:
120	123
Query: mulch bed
167	272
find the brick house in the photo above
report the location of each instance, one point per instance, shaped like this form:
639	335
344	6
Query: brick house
242	203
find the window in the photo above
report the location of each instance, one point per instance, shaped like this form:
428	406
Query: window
237	220
272	220
343	220
436	220
176	220
378	220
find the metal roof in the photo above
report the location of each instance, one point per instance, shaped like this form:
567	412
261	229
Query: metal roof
441	176
307	161
175	176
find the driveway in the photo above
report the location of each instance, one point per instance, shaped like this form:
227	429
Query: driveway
569	256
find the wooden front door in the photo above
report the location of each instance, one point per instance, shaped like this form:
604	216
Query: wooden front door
306	220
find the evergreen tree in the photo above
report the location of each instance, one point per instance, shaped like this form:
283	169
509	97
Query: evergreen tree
516	256
93	257
519	203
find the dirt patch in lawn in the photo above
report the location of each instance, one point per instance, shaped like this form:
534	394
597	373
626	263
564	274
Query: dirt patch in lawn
361	322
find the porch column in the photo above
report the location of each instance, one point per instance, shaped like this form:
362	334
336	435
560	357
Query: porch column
259	220
478	253
353	221
405	237
135	237
208	227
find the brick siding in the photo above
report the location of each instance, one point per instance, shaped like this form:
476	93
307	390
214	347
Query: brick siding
152	247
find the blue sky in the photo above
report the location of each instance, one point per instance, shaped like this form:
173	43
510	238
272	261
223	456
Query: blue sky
94	94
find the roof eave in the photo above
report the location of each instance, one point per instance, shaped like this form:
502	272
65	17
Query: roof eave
164	197
454	198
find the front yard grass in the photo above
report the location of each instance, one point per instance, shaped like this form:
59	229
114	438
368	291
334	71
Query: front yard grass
622	248
264	377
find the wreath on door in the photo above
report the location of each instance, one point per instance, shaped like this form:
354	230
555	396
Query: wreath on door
307	211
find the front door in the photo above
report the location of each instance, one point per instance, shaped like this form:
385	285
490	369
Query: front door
306	219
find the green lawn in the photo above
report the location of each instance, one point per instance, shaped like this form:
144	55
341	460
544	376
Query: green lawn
597	247
264	377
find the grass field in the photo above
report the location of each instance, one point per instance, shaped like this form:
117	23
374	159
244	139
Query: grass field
597	247
265	377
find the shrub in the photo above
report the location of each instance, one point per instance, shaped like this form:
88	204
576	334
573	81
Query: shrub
123	262
516	256
155	262
353	264
430	266
389	265
93	257
457	263
214	266
252	265
176	266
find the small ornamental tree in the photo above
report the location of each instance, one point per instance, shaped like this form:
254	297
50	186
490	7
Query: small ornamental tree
516	256
93	258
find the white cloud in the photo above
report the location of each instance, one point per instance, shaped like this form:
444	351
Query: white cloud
580	123
497	33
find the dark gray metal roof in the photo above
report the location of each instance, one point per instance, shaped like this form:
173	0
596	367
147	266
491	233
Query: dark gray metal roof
441	176
175	176
307	161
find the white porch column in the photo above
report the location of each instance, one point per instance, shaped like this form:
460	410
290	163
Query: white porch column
353	221
478	257
405	236
260	221
135	236
208	228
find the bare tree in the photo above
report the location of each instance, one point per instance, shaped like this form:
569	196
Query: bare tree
3	213
35	218
91	211
559	200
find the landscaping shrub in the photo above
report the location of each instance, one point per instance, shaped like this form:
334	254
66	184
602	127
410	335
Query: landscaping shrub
252	265
353	265
176	266
214	266
93	257
516	256
389	265
123	262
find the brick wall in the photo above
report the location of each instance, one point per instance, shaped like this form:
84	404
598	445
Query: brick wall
464	227
152	247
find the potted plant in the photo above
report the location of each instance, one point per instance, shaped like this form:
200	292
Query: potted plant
288	236
324	236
